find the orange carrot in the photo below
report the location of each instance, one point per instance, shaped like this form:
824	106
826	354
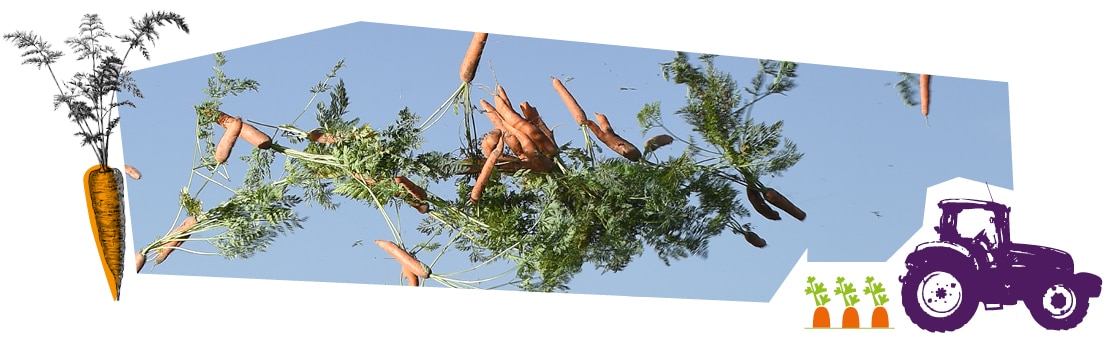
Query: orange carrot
924	90
821	317
754	239
756	198
488	143
850	318
603	121
486	171
170	246
571	103
415	191
774	197
132	172
493	115
654	143
879	318
248	132
614	141
532	115
498	123
409	262
320	136
473	56
502	96
140	260
104	200
228	140
525	131
412	279
529	148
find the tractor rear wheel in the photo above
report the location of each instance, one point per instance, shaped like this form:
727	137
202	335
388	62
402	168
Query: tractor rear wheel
940	298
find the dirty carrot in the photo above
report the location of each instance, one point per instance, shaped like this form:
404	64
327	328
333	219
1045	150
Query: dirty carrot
409	262
486	171
248	132
415	191
924	91
774	197
166	249
571	103
754	239
228	140
104	199
473	56
757	200
132	172
614	141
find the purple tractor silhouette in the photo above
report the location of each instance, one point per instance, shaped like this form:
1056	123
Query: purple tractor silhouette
948	278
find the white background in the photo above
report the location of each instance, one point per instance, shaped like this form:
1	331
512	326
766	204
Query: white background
55	301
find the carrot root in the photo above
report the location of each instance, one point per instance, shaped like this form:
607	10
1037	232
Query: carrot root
924	92
614	141
228	140
486	172
575	109
412	279
140	261
409	262
104	199
166	249
754	239
654	143
775	198
415	191
132	172
473	56
761	207
320	136
248	132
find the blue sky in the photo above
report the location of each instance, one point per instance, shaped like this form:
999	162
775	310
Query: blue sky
864	151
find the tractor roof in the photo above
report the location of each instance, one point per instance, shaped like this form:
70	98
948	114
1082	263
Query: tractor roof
965	203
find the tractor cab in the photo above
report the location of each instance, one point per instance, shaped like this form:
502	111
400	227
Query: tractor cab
979	226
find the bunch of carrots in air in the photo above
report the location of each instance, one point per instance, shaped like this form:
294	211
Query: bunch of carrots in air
532	226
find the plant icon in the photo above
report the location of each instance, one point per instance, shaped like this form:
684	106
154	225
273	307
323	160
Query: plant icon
850	318
875	290
818	291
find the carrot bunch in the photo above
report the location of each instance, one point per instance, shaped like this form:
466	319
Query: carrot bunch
528	138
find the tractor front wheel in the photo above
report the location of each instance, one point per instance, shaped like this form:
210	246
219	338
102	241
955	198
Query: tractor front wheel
1058	306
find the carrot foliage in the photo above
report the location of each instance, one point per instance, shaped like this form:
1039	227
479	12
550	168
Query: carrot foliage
90	96
589	211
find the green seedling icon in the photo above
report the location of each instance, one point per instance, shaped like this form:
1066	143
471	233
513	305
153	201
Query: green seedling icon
875	290
817	290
